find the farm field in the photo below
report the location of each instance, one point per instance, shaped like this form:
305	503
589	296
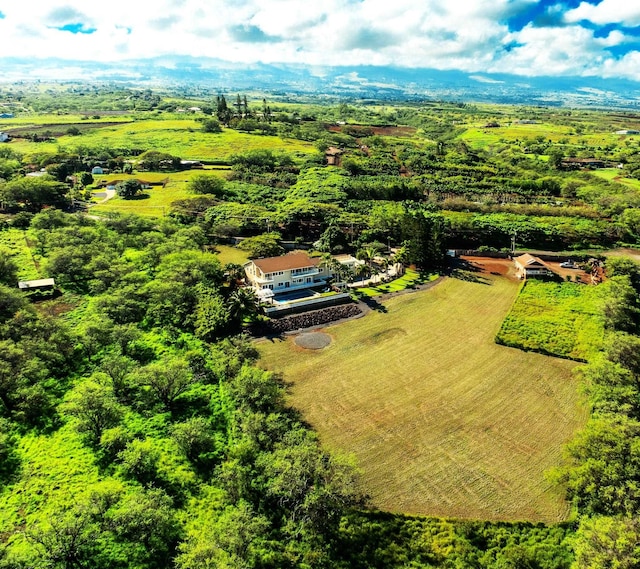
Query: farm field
179	137
480	137
555	318
442	421
614	175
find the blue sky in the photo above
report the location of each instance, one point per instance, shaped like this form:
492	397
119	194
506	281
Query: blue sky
598	38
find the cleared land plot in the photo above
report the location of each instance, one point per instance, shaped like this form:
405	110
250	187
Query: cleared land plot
560	319
441	420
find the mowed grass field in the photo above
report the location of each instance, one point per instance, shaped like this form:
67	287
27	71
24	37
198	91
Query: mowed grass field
442	421
155	201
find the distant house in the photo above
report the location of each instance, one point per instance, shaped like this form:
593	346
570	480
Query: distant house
97	170
191	165
40	284
37	173
492	124
333	156
6	115
529	266
628	131
5	137
579	163
293	271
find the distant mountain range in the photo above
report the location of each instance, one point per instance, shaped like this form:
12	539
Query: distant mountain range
389	83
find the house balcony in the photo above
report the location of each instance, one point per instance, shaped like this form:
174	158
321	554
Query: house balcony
310	272
262	280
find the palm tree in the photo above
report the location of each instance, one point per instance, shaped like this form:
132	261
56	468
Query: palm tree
235	274
400	259
242	302
362	271
339	270
383	265
367	253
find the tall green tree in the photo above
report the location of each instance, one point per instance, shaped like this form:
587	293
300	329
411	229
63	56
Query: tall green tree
8	268
424	235
95	409
128	189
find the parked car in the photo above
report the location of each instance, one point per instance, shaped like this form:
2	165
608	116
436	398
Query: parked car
569	265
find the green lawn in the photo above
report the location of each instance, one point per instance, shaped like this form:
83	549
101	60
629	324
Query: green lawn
228	254
155	201
57	470
560	319
441	419
410	279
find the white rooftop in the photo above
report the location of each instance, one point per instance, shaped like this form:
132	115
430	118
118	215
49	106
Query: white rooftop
39	283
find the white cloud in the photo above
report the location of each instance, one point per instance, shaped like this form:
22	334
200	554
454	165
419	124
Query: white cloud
625	12
481	79
628	66
465	35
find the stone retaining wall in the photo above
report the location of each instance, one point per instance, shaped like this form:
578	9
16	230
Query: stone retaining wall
306	319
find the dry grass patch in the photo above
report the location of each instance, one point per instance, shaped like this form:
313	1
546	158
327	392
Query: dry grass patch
441	419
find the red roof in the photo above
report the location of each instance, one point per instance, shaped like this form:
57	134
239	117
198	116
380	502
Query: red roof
286	262
528	260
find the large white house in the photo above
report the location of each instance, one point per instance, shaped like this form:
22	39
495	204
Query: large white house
272	275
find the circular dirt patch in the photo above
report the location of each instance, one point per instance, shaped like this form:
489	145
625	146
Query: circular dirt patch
313	340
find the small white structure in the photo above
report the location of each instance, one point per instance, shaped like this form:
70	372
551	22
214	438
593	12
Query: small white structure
97	170
349	261
628	131
4	137
39	284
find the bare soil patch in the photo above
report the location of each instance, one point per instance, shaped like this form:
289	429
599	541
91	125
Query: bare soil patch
381	130
506	268
491	266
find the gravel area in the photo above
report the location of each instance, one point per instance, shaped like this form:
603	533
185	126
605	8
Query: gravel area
313	340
